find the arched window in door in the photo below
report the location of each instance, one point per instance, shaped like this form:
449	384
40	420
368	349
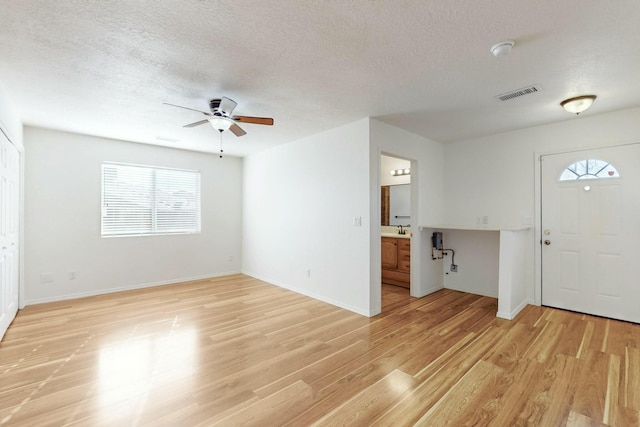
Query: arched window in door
589	169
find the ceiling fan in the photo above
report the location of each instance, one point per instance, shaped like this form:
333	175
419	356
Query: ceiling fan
221	119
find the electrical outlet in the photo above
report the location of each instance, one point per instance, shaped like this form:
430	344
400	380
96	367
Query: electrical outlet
485	220
73	275
308	273
454	268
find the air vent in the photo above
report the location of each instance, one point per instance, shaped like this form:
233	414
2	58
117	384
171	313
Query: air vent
166	139
519	92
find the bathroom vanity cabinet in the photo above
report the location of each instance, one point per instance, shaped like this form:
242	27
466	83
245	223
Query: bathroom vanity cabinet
396	261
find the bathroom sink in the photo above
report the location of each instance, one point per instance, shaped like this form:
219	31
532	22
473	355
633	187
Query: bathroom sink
396	235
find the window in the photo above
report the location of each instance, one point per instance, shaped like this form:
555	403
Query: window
144	200
589	169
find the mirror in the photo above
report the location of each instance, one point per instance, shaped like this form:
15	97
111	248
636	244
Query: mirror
395	191
396	204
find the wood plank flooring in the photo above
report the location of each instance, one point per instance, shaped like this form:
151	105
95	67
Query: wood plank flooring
237	351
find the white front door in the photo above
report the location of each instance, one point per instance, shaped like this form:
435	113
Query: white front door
591	232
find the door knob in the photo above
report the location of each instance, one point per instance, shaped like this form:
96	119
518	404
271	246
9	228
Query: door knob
547	242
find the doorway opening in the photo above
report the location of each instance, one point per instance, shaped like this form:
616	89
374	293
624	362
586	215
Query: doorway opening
395	230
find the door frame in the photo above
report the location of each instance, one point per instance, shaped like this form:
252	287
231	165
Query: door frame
414	274
537	158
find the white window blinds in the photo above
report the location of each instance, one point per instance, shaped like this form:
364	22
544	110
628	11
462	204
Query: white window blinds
143	200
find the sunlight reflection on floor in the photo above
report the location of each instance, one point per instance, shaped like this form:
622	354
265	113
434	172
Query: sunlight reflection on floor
129	370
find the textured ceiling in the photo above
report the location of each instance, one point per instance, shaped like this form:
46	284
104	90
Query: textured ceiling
105	68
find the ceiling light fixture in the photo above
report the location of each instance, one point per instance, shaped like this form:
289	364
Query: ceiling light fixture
220	123
578	104
502	48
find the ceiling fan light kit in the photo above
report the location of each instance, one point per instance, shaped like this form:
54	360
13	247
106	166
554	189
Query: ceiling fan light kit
221	119
578	104
221	123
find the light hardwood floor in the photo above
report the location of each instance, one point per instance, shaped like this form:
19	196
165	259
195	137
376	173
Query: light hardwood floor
237	351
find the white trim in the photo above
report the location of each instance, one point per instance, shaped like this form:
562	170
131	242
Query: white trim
375	237
537	236
304	292
108	162
128	288
516	311
577	150
436	289
476	227
414	210
21	218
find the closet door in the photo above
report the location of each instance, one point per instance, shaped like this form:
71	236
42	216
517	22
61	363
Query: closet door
9	232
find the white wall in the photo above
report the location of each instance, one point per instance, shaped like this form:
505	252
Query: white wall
512	293
299	203
426	208
494	175
10	120
62	219
476	255
428	154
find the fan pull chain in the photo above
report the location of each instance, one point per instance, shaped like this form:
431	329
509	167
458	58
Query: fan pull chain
221	151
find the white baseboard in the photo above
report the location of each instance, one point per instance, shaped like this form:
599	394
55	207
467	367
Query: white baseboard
515	311
322	298
429	291
126	288
473	291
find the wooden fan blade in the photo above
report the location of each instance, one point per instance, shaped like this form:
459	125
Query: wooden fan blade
191	125
226	106
237	130
254	120
187	108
